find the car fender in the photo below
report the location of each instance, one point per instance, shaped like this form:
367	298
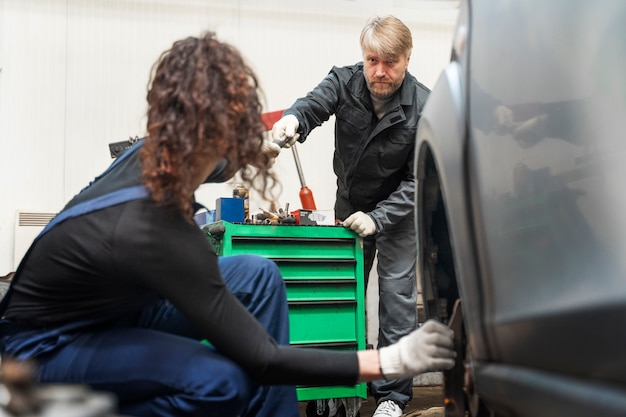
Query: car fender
442	134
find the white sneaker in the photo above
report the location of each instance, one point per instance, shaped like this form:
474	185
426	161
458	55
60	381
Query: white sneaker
332	408
387	409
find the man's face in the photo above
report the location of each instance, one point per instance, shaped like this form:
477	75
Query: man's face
384	76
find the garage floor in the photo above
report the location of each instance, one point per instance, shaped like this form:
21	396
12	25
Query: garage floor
427	402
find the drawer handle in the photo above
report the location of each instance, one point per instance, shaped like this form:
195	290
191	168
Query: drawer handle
329	345
281	239
346	261
320	282
329	303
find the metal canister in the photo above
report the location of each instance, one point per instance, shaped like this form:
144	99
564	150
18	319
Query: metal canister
240	191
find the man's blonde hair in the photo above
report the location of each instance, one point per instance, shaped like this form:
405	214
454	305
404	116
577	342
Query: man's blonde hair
387	36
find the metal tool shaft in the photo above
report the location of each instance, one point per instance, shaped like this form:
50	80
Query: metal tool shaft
298	166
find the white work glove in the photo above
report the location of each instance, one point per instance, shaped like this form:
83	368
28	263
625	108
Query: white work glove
427	349
361	223
531	131
285	130
271	149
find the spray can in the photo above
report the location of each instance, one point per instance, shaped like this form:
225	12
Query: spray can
240	191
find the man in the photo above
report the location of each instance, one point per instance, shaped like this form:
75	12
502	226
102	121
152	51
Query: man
377	105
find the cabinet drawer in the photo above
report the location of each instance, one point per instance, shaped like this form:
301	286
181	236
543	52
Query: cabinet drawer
319	290
327	323
291	247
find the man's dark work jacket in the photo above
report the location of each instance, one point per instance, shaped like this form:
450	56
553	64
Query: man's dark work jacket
373	158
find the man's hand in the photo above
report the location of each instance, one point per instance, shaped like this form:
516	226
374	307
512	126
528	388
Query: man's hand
427	349
361	223
531	131
284	131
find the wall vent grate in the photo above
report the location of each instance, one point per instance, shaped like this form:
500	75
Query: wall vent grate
28	224
32	218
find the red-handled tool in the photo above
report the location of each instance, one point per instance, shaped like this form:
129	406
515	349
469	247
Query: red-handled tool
306	195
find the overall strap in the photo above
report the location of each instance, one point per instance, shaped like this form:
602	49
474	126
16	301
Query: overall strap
111	199
107	200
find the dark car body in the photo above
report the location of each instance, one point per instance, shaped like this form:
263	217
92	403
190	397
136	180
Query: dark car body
521	208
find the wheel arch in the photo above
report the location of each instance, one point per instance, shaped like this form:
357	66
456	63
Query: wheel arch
443	212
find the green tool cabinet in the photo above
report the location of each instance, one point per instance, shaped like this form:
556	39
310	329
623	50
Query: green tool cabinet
323	271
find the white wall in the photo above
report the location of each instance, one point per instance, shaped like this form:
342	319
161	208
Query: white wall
73	77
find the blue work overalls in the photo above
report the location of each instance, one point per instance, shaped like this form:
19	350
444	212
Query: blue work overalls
177	376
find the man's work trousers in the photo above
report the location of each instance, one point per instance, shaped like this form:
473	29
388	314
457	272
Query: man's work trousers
397	302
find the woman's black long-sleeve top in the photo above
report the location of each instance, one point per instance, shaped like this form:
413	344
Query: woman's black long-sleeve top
110	263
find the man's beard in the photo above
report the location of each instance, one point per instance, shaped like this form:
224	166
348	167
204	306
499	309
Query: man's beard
383	90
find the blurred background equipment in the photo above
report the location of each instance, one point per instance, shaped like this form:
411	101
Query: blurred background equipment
21	395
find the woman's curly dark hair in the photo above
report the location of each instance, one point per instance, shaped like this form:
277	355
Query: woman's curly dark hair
203	99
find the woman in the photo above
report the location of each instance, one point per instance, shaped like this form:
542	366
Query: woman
118	289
